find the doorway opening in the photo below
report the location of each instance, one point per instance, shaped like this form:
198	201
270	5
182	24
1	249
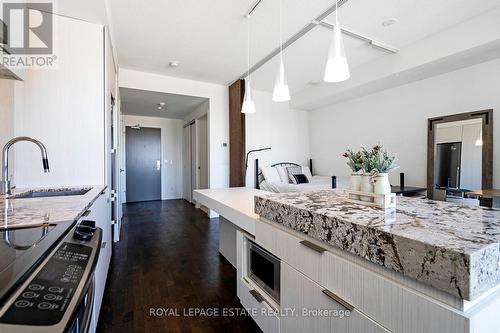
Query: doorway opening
157	169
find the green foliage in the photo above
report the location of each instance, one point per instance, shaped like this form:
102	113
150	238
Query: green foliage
374	160
354	160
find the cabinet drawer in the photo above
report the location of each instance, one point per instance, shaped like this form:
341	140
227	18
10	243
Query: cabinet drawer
303	256
260	311
317	309
394	306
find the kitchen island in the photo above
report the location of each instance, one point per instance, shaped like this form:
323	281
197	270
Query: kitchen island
425	267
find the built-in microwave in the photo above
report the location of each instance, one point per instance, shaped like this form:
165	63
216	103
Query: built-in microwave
264	270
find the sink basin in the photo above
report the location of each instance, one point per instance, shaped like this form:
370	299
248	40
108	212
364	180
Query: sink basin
51	193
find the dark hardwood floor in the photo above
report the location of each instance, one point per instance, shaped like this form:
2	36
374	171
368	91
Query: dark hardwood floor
168	258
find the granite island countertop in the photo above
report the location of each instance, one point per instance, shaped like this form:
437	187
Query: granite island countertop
26	212
451	247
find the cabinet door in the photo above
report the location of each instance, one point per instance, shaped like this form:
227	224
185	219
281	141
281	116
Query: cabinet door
316	310
100	212
64	108
301	297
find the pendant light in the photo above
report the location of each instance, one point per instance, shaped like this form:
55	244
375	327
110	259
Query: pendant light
248	103
281	92
337	68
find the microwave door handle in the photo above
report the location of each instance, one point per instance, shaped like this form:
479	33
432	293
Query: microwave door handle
89	307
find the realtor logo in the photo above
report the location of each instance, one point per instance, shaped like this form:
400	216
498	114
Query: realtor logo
29	28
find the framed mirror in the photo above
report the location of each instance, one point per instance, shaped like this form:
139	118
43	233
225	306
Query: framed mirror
459	154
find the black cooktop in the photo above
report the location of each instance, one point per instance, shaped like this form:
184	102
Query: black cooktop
21	250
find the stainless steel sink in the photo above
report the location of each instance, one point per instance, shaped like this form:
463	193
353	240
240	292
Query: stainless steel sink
51	193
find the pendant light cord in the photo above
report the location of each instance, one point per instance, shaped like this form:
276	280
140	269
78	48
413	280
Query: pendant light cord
336	12
248	48
281	29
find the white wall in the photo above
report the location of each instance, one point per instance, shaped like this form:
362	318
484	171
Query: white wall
171	152
218	114
274	125
397	118
6	113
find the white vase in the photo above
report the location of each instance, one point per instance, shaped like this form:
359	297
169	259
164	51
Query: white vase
355	185
366	186
381	185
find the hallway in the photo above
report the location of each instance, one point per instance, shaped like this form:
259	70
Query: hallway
168	258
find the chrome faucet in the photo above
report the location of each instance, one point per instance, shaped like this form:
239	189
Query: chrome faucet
6	189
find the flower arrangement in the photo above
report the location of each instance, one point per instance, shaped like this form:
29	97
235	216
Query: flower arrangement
354	160
375	164
373	160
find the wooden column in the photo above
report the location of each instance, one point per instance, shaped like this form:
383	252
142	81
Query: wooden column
237	147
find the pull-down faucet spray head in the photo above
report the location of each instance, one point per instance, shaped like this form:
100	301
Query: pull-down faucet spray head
6	188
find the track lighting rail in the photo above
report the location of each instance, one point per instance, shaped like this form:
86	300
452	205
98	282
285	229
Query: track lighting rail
314	23
366	39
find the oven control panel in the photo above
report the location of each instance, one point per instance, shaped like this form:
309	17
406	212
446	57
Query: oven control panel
45	300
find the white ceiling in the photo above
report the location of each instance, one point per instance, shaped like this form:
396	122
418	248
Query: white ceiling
145	103
209	38
89	10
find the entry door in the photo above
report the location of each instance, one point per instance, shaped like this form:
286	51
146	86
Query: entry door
143	163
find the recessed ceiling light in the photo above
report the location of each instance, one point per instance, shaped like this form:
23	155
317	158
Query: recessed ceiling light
162	103
159	108
389	22
174	64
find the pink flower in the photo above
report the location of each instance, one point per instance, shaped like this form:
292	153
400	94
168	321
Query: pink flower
345	155
376	148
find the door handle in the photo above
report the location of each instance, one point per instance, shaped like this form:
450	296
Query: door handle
158	165
337	299
258	297
313	246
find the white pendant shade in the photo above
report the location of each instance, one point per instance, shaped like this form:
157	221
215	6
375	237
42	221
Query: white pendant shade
337	68
248	103
281	92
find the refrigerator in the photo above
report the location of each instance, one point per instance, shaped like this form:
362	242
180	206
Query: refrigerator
448	162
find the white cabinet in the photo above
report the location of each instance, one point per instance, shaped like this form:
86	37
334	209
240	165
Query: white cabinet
392	304
100	213
262	313
318	310
289	249
64	108
389	303
299	294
